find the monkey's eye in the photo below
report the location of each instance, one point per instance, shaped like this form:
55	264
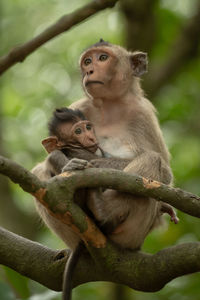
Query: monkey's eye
103	57
88	127
87	61
78	131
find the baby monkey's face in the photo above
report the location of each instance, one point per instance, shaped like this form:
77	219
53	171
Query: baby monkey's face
79	135
83	132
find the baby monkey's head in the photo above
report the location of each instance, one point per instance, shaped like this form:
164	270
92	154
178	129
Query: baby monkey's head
69	129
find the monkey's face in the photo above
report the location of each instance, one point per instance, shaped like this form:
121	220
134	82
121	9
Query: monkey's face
100	72
79	135
83	132
108	72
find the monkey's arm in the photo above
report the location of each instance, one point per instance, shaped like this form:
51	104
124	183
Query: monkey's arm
81	153
110	162
56	160
147	164
151	165
51	166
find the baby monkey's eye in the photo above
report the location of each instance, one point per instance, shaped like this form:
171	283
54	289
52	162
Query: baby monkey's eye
87	61
103	57
88	127
78	131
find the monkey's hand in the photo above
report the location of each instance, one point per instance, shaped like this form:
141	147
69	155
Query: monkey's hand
76	164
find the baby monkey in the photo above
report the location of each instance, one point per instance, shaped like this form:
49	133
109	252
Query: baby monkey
71	136
72	145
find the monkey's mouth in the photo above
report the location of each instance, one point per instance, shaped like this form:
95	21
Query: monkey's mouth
92	148
93	81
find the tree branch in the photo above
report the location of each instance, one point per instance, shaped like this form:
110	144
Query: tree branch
19	53
28	182
107	262
140	271
134	184
185	47
57	193
57	196
40	263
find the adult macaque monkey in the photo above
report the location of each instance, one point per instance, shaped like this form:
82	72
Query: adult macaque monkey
126	127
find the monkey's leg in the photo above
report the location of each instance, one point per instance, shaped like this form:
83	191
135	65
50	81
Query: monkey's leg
147	164
143	213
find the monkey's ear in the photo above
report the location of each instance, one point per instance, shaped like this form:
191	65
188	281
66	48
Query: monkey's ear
50	143
139	63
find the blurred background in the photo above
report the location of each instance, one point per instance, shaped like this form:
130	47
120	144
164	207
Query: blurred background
169	30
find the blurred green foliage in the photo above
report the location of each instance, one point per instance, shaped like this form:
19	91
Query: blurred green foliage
50	78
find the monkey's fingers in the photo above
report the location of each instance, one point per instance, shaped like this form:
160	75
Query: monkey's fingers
75	164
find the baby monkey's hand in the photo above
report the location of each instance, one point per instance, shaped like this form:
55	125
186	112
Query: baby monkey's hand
76	164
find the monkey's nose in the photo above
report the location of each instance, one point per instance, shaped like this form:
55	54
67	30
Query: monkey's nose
90	72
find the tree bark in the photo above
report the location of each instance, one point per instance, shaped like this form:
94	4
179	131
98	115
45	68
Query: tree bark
140	271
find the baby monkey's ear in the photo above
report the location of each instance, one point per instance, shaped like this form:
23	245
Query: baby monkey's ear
51	144
139	63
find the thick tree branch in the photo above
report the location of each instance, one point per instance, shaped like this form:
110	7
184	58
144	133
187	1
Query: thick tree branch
19	53
134	184
107	262
57	194
185	47
138	270
40	263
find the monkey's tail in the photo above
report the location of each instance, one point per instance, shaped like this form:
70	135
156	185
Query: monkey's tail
68	272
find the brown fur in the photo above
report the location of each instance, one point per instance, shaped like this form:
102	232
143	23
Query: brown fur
126	127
